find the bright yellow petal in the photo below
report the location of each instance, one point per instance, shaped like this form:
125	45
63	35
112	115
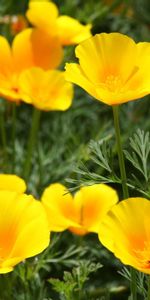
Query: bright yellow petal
6	270
43	14
106	54
71	31
20	217
127	236
31	241
34	48
75	75
5	57
58	204
12	182
7	86
92	203
46	90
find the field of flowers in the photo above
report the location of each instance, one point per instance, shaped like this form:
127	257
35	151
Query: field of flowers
74	150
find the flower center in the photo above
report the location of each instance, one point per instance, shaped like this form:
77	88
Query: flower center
143	256
113	83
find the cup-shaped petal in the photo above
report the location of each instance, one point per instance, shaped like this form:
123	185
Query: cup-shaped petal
112	68
35	48
23	229
43	14
91	204
11	182
46	90
125	232
71	31
7	80
58	204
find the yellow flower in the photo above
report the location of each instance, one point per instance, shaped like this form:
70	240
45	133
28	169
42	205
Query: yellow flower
125	232
112	68
82	213
12	182
23	228
30	48
46	90
45	15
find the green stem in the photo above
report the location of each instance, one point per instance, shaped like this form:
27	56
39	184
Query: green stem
133	285
120	152
3	138
124	185
148	292
13	136
31	142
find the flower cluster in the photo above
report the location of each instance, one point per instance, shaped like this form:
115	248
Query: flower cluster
28	67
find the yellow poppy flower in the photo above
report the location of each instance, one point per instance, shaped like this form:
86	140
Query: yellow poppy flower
82	213
11	182
30	48
125	232
112	68
46	90
45	15
23	229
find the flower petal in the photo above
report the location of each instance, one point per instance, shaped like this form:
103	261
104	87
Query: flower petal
34	48
20	217
43	14
127	236
91	204
75	75
46	90
58	204
71	31
11	182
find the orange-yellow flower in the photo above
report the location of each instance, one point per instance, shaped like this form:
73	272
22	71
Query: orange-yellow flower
45	15
46	90
23	228
11	182
125	232
82	213
30	48
112	68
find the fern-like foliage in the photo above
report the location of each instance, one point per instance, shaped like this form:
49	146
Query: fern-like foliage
102	158
139	157
71	287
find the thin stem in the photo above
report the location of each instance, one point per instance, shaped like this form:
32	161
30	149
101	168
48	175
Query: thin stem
3	138
133	285
120	152
148	292
124	185
13	135
31	142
